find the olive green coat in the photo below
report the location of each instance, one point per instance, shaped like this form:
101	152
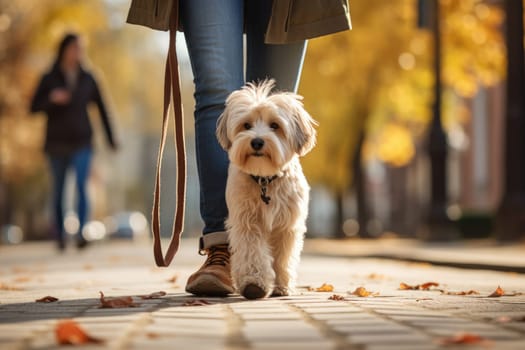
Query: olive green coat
291	20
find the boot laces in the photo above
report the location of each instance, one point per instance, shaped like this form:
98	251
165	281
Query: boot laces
218	255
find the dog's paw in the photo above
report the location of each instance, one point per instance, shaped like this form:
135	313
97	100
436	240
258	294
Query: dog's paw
281	291
253	291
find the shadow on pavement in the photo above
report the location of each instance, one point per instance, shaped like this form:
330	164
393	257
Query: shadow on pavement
86	308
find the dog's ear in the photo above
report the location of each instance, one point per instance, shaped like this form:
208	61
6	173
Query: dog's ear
222	131
303	125
306	133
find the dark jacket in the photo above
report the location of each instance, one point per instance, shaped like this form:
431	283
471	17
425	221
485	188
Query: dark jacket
291	20
68	126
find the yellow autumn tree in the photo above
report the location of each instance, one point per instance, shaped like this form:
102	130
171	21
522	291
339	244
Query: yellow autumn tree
377	79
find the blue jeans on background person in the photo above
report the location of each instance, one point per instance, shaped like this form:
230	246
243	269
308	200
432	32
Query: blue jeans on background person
214	37
80	162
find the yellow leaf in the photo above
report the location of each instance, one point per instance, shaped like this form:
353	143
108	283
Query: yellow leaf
325	287
362	292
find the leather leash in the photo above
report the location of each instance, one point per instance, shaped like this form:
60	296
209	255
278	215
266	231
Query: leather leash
171	91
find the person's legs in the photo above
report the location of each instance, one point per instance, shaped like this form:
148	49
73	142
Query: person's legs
213	31
81	161
59	165
280	62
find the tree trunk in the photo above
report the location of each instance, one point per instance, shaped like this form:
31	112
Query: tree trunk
360	187
510	220
6	206
339	214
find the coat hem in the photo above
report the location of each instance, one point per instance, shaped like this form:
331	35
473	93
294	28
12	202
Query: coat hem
299	32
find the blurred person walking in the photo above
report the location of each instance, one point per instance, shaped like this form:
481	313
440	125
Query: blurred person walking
276	34
64	94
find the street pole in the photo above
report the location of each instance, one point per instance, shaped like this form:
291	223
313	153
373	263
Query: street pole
363	215
510	218
437	225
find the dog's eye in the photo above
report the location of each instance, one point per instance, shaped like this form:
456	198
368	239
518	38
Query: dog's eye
274	126
247	126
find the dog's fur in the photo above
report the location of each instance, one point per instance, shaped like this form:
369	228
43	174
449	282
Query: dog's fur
265	239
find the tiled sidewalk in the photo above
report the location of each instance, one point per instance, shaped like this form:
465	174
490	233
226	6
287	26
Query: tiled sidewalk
394	319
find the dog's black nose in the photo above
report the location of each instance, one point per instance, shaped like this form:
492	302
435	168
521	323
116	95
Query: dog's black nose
257	144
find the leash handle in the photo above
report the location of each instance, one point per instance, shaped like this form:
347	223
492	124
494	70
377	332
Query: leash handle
171	91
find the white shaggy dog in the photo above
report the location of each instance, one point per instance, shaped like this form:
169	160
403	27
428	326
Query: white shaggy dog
264	134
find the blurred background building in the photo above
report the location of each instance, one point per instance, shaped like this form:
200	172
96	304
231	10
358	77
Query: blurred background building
371	89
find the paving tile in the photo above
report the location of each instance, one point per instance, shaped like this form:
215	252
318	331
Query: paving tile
271	310
495	334
186	323
410	312
402	338
189	315
293	345
177	342
404	347
415	319
260	330
334	316
108	319
377	328
519	326
332	309
264	316
262	304
367	322
324	304
11	345
508	345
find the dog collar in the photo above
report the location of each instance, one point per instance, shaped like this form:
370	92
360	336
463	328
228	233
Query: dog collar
263	182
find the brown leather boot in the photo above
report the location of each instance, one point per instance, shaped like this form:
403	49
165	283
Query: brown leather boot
213	278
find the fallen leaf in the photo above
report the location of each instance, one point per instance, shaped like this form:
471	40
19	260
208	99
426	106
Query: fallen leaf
424	286
507	319
464	338
22	279
196	302
422	299
155	295
513	294
152	335
469	292
87	267
173	279
68	332
503	319
116	303
362	292
336	297
325	287
47	299
497	293
5	286
375	276
404	286
18	269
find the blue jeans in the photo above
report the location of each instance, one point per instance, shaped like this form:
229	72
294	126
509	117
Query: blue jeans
214	36
80	162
